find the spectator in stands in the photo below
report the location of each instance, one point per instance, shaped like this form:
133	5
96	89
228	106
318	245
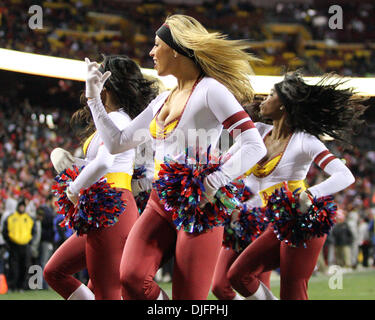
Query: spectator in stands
343	239
330	249
35	242
364	240
10	207
2	244
18	232
353	223
61	233
47	236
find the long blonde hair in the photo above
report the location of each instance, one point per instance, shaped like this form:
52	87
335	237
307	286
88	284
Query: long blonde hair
222	59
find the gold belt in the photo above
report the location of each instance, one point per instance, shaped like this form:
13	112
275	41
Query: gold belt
119	180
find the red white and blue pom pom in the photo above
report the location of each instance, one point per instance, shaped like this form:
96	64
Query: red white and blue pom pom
64	205
296	227
180	188
99	206
250	225
241	191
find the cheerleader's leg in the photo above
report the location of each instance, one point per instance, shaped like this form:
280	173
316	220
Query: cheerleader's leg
68	259
221	287
104	250
296	268
195	260
262	255
150	239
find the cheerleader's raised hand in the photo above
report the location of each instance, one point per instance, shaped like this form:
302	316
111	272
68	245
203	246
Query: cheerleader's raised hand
95	79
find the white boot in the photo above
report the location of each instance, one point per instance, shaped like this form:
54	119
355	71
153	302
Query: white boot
263	293
162	295
82	293
238	297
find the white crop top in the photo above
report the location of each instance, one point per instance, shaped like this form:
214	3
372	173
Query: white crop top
301	151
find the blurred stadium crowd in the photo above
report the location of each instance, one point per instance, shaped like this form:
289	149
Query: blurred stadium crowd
292	34
35	112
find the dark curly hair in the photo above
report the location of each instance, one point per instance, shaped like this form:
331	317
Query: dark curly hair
322	108
130	91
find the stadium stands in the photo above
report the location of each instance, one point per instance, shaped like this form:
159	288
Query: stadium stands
286	36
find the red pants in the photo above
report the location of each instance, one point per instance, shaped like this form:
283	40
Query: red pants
153	239
100	251
221	286
268	253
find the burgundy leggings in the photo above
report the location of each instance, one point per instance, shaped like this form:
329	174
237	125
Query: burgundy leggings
267	253
221	286
153	239
100	251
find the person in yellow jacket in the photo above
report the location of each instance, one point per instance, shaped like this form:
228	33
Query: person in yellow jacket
18	232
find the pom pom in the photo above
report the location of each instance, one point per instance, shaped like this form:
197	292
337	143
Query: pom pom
240	190
63	179
296	227
98	206
180	188
250	225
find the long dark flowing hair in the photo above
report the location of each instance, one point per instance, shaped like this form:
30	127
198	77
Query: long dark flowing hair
129	89
325	108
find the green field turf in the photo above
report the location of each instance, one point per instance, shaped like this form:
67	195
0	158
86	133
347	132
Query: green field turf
355	286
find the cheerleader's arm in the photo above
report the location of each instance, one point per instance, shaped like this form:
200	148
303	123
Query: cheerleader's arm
248	147
115	139
93	171
340	177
